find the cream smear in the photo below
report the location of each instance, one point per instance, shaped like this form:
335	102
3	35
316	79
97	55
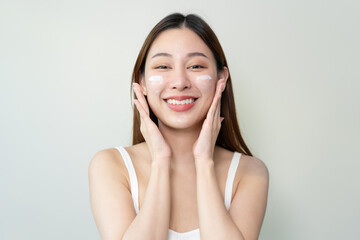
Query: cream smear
156	79
204	77
155	83
205	82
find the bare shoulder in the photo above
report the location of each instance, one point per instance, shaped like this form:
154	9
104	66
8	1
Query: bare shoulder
104	159
110	194
248	205
251	167
109	163
111	158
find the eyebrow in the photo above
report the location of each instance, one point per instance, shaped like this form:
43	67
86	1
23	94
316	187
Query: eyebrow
192	54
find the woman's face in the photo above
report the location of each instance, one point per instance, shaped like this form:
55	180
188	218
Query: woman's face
180	78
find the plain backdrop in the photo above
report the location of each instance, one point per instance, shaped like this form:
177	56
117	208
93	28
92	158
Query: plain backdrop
65	69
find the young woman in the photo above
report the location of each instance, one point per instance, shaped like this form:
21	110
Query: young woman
189	173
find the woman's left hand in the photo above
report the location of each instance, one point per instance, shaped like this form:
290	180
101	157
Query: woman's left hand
204	146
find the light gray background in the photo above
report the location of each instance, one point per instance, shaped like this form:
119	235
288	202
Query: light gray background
65	70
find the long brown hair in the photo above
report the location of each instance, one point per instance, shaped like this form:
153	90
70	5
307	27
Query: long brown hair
229	136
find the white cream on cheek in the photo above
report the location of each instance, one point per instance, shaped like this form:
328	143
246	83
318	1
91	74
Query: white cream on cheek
204	82
155	83
156	79
204	77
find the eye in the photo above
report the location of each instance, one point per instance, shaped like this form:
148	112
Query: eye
196	67
161	67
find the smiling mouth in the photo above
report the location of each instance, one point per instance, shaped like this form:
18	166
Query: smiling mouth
181	102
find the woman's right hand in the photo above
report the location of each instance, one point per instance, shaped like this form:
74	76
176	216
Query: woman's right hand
159	149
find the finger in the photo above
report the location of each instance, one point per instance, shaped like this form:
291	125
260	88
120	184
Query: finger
217	118
139	94
141	97
222	86
146	122
140	109
216	100
143	115
217	110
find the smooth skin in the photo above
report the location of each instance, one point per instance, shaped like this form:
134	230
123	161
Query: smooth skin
180	170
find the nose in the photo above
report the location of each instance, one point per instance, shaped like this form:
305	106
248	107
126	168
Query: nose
180	80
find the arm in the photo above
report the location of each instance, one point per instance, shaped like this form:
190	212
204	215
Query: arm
110	196
152	222
249	202
246	214
214	220
112	203
248	206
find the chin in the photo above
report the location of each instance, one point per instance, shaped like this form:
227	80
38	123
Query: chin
180	123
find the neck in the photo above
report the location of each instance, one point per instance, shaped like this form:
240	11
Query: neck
181	142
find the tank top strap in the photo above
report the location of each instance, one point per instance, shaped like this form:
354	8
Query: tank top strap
132	175
230	178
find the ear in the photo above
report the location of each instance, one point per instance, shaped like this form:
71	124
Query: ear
224	74
143	83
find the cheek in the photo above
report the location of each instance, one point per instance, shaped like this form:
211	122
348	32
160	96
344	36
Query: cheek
155	84
205	82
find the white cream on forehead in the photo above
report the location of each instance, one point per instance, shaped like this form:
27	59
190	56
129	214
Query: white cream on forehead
156	79
204	77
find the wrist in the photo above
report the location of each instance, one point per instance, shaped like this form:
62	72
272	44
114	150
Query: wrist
160	164
204	163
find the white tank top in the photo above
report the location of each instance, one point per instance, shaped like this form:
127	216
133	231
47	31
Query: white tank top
190	235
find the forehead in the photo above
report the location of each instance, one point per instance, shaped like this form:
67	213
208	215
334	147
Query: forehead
179	42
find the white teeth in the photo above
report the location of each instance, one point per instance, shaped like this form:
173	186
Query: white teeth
182	102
